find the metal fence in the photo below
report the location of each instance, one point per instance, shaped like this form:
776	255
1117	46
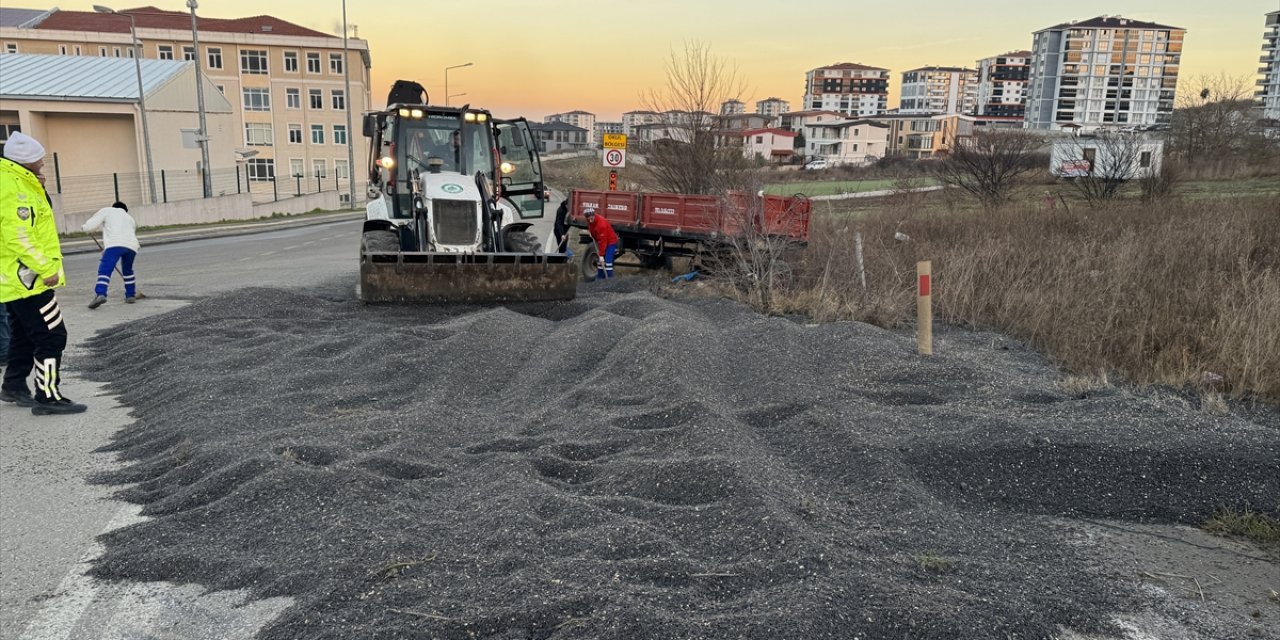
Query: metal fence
92	192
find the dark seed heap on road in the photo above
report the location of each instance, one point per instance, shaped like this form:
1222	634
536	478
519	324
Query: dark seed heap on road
624	466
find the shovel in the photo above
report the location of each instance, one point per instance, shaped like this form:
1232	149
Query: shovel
139	294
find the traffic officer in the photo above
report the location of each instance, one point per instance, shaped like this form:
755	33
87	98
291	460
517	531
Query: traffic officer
30	269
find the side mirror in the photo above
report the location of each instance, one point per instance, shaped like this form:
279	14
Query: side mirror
370	124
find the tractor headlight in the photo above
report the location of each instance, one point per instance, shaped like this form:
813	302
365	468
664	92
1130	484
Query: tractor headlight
507	168
415	113
386	162
482	117
404	113
469	117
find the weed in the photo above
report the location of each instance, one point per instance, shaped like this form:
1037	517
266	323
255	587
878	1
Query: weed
1257	527
934	562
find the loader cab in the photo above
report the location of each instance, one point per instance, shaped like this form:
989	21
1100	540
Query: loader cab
522	181
417	139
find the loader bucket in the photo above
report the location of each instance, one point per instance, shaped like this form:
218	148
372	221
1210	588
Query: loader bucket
466	278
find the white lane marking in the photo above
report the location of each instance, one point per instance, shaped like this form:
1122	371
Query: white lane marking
269	253
58	619
291	248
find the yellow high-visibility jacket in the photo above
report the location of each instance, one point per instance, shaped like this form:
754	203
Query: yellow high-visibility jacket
29	248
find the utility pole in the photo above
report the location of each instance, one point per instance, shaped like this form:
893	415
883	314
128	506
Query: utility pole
202	136
346	77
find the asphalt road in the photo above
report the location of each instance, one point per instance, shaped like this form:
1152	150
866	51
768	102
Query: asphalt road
50	516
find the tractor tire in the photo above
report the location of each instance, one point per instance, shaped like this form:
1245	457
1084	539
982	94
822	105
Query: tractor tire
521	242
380	241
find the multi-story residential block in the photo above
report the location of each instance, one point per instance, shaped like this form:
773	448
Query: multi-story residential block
633	119
1269	86
768	145
731	107
939	90
1108	71
743	121
772	107
924	136
580	119
1002	84
848	88
797	120
286	83
557	135
607	127
847	142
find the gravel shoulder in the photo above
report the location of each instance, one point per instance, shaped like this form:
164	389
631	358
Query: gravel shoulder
629	466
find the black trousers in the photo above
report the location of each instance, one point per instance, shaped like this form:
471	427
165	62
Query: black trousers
37	338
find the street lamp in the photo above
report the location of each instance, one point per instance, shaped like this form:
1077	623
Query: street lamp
142	98
346	77
446	80
202	136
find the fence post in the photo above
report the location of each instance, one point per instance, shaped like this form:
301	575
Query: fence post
238	181
319	188
115	179
164	188
57	173
336	185
275	189
297	179
924	307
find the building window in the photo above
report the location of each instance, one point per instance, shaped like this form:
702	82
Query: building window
291	61
335	63
62	49
295	167
317	134
164	51
313	62
102	51
293	98
257	99
339	134
254	62
339	99
1145	160
295	134
188	53
340	169
319	169
11	47
213	57
221	89
78	51
257	134
261	169
315	98
116	51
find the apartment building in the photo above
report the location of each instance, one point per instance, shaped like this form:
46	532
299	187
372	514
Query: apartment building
286	83
607	127
1269	86
1002	84
1108	71
939	90
732	107
797	120
556	135
847	142
852	89
580	119
925	136
633	119
772	107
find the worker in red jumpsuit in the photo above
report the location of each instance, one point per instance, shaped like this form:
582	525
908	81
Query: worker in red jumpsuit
606	243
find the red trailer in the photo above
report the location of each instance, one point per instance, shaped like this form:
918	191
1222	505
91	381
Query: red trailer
658	226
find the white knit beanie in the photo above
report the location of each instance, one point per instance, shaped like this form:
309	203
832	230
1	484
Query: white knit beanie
22	148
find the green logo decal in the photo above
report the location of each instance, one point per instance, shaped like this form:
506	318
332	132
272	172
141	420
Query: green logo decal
450	187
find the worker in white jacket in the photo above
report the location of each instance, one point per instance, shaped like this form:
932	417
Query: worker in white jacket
120	244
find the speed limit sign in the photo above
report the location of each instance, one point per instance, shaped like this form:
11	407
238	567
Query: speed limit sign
615	158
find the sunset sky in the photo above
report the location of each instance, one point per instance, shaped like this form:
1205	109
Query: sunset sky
534	57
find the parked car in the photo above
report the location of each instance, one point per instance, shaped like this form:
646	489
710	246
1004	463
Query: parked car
817	163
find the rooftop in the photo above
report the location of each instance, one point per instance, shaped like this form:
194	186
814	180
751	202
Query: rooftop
155	18
1110	22
81	77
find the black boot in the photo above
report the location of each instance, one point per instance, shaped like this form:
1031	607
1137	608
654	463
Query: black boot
20	397
59	406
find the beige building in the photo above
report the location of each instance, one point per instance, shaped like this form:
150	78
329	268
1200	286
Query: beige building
580	119
285	84
849	88
939	90
924	136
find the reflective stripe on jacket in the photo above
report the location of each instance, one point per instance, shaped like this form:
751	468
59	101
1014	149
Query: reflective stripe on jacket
29	248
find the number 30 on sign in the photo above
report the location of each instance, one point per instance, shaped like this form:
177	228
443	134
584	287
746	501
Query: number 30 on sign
615	158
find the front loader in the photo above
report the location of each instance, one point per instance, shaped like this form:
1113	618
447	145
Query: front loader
451	191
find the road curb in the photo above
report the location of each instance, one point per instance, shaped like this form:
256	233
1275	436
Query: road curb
147	238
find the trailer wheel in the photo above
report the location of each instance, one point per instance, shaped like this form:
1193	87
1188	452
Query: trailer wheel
521	242
380	241
589	258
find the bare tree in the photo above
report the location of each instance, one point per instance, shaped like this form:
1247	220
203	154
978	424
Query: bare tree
759	234
989	163
684	157
1110	159
1215	121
